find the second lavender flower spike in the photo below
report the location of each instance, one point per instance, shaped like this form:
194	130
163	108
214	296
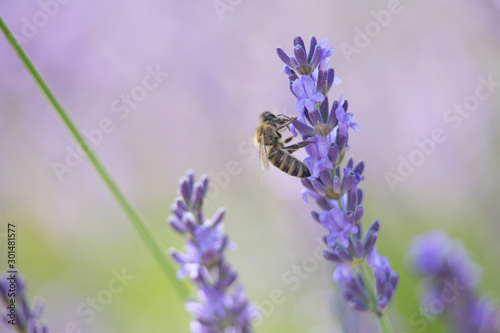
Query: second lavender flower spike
334	188
221	305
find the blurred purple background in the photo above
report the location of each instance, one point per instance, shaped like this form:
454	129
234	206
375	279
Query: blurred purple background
406	70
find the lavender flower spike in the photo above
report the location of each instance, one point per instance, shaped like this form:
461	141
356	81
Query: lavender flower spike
221	305
24	318
451	280
335	187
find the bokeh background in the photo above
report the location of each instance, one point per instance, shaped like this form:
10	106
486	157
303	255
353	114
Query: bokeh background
219	72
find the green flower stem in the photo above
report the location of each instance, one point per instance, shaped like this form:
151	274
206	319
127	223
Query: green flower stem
385	324
134	216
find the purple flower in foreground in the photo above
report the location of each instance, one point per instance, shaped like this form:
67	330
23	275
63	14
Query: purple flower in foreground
318	152
334	188
338	226
344	118
221	305
451	279
305	90
24	318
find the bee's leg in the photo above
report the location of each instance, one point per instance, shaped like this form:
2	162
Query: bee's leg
285	124
288	139
296	146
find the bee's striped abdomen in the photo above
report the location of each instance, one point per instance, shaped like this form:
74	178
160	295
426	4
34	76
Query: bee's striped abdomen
284	161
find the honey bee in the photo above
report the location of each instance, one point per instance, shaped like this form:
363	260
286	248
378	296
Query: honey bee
271	148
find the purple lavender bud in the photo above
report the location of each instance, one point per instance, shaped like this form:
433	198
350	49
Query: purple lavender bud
185	190
198	196
304	129
359	196
307	184
359	168
351	200
359	249
343	254
332	256
205	181
326	178
336	185
320	188
350	164
218	217
177	225
321	81
330	78
297	40
292	76
333	154
358	305
358	215
341	140
300	55
323	203
189	222
181	205
332	119
315	117
369	241
313	49
323	110
382	303
349	217
315	216
348	182
374	226
283	56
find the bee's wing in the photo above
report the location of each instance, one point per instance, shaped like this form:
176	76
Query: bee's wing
264	161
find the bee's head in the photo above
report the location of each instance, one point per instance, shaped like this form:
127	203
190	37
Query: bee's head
266	116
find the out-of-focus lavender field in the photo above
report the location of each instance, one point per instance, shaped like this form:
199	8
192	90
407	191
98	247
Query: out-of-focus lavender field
160	87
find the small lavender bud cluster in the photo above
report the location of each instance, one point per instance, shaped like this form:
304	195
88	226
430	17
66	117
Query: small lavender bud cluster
221	305
24	318
451	280
335	189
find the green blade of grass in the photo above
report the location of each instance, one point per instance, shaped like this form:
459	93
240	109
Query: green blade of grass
138	222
